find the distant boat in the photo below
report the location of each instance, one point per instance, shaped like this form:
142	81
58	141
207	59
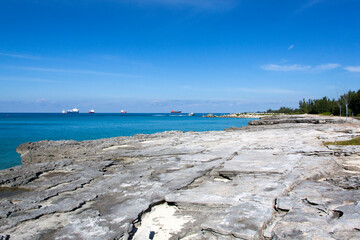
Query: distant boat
123	111
172	111
92	111
72	111
191	114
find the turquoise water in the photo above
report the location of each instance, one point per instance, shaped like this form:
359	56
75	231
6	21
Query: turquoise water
17	128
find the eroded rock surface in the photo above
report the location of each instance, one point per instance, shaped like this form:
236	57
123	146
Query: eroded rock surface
259	182
280	119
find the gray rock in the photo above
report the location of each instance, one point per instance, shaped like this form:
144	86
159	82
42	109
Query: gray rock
265	181
310	119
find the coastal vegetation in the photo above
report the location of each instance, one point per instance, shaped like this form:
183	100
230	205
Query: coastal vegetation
286	110
347	104
354	141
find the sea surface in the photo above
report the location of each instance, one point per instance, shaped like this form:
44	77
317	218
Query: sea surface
17	128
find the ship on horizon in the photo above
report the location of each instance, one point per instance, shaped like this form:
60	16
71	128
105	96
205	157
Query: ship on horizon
123	111
72	111
92	111
173	111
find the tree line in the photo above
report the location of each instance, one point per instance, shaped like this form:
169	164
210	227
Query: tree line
347	104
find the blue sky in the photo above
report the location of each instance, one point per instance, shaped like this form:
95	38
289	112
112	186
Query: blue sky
194	56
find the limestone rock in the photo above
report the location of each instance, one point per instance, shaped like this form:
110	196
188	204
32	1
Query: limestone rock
274	179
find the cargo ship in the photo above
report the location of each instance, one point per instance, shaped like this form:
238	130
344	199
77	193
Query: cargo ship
123	111
72	111
173	111
92	111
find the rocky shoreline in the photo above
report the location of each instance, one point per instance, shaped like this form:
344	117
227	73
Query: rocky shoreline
236	115
271	180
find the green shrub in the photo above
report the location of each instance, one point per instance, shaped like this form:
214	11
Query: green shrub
326	113
354	141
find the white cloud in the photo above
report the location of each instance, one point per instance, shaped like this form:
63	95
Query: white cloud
267	90
42	100
291	47
202	4
312	2
328	66
73	71
25	79
17	56
309	4
352	68
45	101
285	68
298	67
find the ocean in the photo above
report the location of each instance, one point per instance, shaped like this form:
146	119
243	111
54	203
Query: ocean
17	128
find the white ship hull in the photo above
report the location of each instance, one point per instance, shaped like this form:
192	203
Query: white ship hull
72	111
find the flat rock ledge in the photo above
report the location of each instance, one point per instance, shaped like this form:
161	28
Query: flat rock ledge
280	119
265	181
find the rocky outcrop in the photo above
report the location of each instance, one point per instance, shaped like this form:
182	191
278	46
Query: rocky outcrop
259	182
311	119
236	115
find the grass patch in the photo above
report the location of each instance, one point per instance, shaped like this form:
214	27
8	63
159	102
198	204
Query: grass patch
355	141
326	113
